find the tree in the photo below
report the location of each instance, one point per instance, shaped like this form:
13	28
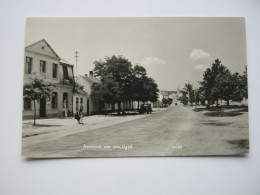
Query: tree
200	97
77	87
119	70
224	85
121	82
184	97
35	89
170	100
107	91
191	92
237	94
151	90
209	85
167	101
244	84
145	88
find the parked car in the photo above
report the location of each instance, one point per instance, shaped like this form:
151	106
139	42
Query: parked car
145	108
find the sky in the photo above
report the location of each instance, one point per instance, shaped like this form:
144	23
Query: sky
174	50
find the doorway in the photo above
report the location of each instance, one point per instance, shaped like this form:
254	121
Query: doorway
87	107
42	107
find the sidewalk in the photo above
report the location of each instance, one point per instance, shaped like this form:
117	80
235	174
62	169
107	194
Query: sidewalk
70	125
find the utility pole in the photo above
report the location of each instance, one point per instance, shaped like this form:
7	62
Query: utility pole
76	56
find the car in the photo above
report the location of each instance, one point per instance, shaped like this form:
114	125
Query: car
145	108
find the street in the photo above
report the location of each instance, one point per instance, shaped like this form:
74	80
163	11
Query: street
176	131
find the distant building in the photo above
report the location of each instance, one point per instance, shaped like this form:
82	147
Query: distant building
42	60
174	95
80	98
92	106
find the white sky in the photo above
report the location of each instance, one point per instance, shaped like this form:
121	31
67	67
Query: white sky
172	50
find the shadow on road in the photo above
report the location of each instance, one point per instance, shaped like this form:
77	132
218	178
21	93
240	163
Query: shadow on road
241	143
222	114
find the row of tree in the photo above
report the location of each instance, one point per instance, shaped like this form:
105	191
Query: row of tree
218	84
121	82
167	101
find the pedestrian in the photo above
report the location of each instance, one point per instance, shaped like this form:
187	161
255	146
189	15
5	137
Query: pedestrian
81	115
77	116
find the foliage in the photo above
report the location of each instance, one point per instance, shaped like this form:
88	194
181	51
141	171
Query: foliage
244	84
167	101
77	87
35	89
184	98
121	82
219	83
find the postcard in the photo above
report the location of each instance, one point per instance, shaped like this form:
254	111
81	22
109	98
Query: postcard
135	87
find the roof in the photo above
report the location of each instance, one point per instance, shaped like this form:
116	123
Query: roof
46	44
90	79
163	92
171	92
81	92
65	62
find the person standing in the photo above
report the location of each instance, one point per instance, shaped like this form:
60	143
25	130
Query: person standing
81	114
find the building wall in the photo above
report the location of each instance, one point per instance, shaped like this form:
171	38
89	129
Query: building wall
84	97
47	76
94	107
37	53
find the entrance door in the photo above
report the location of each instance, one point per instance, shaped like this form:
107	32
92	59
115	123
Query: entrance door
42	107
88	107
65	104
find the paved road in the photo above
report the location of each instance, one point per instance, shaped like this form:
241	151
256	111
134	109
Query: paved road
176	131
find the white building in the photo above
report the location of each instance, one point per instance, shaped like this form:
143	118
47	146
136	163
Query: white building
41	60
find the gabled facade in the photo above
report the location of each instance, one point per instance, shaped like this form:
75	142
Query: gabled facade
80	98
92	106
41	60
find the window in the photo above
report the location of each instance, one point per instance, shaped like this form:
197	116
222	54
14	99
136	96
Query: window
81	102
65	72
42	66
77	103
27	103
28	65
54	100
54	70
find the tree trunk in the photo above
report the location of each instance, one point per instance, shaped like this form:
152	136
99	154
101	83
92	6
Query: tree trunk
119	108
105	110
34	118
217	102
113	107
227	103
138	105
99	106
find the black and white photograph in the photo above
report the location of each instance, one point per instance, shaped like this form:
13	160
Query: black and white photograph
130	97
135	87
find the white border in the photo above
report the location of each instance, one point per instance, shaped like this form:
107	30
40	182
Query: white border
167	175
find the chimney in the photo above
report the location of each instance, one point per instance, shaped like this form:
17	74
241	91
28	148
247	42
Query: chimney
91	74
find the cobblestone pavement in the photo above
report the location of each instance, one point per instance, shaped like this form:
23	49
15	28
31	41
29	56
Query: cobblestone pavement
176	131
